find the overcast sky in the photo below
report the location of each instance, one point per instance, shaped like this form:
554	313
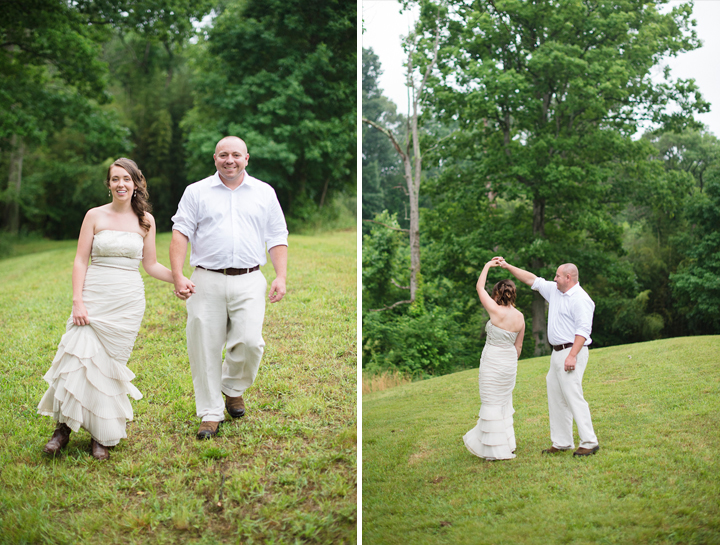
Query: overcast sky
384	25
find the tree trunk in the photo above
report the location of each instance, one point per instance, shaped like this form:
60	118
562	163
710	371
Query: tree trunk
413	182
12	208
539	323
169	78
324	192
414	231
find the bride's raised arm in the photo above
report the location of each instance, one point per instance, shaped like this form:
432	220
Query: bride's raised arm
487	301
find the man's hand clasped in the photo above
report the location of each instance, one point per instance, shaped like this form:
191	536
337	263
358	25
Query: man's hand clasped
184	288
499	262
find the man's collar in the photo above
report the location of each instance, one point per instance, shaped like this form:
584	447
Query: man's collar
216	181
572	290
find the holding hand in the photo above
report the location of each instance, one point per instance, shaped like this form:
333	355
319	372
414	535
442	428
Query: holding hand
184	288
500	262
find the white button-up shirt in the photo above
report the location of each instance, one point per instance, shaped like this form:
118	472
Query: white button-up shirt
570	313
230	228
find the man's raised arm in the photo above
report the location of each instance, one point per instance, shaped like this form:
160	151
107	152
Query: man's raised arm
524	276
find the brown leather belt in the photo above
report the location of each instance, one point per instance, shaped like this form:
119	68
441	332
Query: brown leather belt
231	271
562	346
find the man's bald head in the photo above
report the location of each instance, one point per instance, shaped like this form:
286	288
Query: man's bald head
231	140
571	270
566	277
231	157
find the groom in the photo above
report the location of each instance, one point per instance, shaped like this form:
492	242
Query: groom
228	219
569	325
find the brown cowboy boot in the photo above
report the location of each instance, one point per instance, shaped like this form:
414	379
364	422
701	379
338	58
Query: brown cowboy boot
99	452
59	440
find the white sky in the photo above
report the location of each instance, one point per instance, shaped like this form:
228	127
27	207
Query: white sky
384	26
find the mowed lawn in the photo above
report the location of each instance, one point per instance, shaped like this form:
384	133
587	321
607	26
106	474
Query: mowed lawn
284	473
656	478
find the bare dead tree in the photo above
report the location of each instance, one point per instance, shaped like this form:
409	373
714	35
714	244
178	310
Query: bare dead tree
411	156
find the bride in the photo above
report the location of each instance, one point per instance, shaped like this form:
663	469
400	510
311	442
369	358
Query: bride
89	378
493	438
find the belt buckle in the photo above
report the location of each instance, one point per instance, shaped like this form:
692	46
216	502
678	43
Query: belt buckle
224	271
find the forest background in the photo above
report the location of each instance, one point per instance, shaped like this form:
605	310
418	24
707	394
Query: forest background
160	82
545	139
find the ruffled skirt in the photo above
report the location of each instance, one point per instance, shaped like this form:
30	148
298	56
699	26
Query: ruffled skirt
89	381
493	438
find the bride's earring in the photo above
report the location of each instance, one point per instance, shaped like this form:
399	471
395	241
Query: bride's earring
134	193
109	195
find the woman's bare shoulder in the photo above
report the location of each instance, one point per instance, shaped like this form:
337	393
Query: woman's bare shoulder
98	211
518	317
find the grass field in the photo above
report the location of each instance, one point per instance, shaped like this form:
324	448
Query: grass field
656	478
284	473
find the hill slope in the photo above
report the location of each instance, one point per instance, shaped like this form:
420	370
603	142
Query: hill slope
656	412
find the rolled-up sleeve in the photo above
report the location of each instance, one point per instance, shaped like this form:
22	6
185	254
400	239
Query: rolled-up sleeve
584	317
276	233
185	219
545	288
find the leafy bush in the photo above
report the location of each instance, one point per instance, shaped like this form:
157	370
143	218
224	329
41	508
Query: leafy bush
420	345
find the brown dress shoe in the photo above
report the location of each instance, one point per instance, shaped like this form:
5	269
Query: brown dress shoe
586	451
553	450
99	452
235	406
208	430
59	440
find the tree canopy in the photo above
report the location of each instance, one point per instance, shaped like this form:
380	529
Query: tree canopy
283	75
535	123
547	97
88	81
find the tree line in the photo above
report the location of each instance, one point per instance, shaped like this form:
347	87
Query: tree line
160	81
545	139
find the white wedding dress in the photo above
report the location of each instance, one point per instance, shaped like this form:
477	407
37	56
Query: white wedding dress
493	438
89	379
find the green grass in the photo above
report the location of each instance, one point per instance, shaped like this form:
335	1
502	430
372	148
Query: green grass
656	478
284	473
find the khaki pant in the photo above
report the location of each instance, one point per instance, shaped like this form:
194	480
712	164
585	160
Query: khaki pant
224	312
566	402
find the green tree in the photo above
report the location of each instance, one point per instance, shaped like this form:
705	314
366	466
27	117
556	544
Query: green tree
382	169
50	68
418	343
547	97
281	75
152	84
64	64
696	284
656	219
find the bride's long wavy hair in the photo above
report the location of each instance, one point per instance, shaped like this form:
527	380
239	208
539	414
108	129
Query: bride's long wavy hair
140	203
504	293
